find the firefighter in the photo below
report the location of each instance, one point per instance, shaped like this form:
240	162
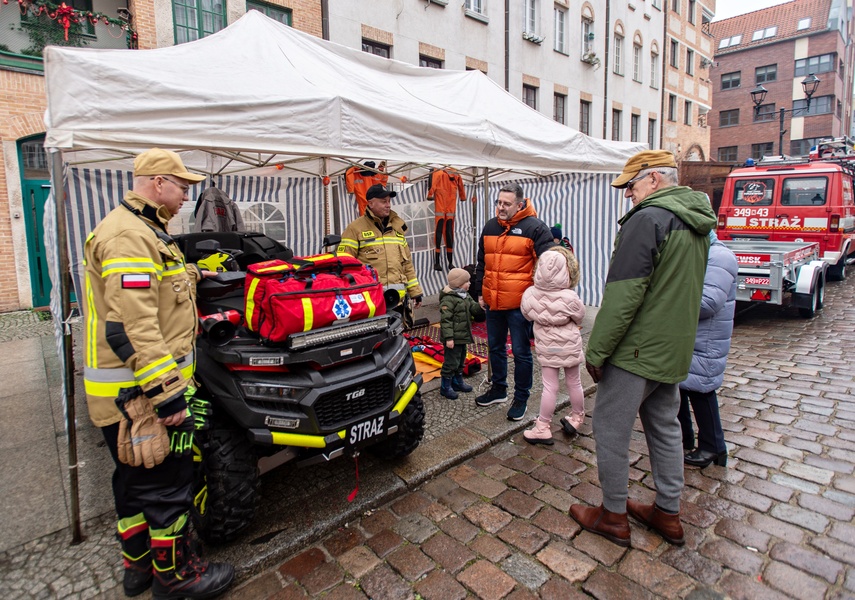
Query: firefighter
378	239
140	331
446	185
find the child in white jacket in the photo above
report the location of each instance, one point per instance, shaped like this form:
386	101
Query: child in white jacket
557	313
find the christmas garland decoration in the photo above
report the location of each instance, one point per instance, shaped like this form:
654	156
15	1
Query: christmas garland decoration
67	16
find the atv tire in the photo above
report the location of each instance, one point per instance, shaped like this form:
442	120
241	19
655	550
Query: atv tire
411	430
225	486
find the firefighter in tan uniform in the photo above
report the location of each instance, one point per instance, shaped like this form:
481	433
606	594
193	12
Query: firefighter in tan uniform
140	329
378	239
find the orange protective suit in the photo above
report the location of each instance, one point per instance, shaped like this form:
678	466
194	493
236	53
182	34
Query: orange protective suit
358	179
446	186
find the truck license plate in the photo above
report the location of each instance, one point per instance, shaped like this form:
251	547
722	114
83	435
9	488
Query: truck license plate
366	430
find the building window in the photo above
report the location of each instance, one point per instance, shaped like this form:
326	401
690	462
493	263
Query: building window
762	34
560	29
376	48
818	106
675	54
672	107
764	112
530	96
691	11
559	102
728	118
616	117
654	70
690	62
196	19
651	133
687	112
634	120
283	15
815	64
618	53
802	147
731	80
758	151
728	153
675	6
430	62
585	117
587	36
729	42
804	23
530	23
476	6
636	62
765	74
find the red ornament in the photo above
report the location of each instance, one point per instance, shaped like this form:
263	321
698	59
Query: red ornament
65	15
326	180
403	179
280	167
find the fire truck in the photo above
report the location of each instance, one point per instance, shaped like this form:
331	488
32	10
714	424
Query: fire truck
796	200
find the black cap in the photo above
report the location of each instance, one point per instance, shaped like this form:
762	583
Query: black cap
378	191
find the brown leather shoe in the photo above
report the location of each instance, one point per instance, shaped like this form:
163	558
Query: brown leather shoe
668	526
612	526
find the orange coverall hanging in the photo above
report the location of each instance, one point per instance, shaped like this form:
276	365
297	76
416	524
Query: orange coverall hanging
446	185
359	178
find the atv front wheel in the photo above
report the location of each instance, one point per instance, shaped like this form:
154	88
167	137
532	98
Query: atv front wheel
225	486
411	430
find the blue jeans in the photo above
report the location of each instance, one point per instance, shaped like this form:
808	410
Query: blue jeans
498	324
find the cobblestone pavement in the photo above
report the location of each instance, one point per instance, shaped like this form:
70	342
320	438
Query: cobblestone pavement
24	324
776	523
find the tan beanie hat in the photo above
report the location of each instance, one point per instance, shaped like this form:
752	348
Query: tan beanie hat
457	277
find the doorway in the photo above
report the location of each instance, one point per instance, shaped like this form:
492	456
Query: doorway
35	187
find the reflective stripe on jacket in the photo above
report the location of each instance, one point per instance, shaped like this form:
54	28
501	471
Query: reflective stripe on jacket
139	308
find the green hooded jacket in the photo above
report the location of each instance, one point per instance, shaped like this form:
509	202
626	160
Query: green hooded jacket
649	315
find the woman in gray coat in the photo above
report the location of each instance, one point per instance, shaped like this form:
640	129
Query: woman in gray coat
712	343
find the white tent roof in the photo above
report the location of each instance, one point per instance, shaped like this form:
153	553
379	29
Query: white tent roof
258	89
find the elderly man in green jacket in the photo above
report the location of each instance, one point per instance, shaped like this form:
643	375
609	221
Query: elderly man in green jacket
641	344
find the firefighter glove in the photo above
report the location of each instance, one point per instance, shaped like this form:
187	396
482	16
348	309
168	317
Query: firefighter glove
181	436
202	412
142	440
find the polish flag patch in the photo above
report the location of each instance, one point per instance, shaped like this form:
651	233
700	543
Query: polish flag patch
136	280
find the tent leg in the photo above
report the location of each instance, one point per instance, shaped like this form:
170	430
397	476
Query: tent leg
63	282
475	243
325	170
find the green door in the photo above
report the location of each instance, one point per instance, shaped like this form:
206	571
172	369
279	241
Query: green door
35	195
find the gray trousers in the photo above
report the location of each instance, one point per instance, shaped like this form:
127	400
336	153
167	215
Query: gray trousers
621	396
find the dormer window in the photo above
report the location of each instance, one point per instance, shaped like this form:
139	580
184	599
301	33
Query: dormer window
730	42
762	34
804	23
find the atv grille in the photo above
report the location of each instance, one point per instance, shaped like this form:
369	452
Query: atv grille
335	408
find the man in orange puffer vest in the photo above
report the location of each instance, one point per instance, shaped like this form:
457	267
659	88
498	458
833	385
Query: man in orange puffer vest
359	178
446	186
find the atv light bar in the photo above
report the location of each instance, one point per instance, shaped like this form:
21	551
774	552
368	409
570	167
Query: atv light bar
337	333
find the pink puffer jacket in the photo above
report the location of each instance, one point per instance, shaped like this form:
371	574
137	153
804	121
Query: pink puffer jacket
556	311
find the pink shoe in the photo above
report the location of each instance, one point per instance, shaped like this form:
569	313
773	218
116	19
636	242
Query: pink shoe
572	422
541	433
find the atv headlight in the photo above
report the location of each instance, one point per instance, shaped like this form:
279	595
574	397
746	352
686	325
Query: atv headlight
398	358
269	391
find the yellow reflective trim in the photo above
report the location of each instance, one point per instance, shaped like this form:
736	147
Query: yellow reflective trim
91	326
349	243
370	303
250	303
402	403
155	369
123	269
412	283
298	439
308	314
106	390
188	371
319	257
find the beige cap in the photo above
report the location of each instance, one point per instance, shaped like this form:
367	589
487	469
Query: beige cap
644	160
458	277
163	162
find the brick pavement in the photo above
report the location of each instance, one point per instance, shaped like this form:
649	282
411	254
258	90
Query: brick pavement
776	523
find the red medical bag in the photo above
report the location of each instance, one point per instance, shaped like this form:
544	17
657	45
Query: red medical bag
309	292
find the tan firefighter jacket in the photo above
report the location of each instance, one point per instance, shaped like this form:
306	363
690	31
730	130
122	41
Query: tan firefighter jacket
384	247
139	308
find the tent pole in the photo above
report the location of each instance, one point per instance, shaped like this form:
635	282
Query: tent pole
63	282
325	169
475	244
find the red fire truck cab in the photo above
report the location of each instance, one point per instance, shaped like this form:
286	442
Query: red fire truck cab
794	201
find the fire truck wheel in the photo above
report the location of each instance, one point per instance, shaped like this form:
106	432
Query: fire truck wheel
225	487
411	429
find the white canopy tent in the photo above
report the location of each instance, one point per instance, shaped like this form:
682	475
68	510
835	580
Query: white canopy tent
261	99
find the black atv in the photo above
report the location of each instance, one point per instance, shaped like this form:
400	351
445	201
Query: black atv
324	393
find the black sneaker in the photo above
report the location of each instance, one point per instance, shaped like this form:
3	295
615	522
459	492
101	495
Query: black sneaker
517	410
495	395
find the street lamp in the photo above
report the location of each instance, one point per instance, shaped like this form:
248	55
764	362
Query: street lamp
758	95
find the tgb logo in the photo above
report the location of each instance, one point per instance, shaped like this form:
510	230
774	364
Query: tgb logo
355	394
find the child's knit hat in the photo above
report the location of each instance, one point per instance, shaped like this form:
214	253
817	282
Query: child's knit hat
457	278
556	231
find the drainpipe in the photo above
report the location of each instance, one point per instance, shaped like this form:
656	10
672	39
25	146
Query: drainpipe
606	72
665	44
325	19
507	45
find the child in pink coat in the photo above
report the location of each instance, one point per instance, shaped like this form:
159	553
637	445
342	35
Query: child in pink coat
557	313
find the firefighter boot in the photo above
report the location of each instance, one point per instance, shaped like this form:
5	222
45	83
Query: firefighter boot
448	256
133	537
445	389
436	265
458	385
178	570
